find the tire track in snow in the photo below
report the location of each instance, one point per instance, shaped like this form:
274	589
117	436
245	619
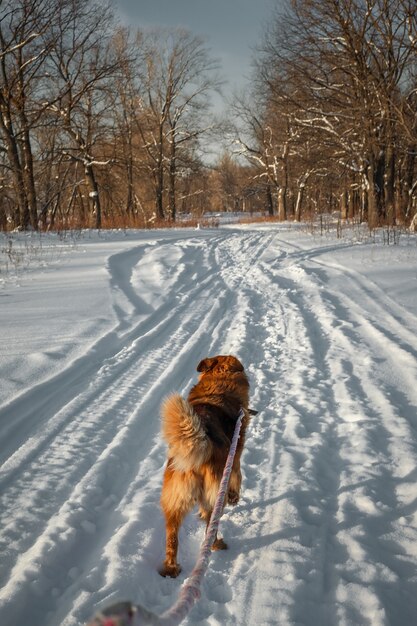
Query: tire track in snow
328	484
379	431
261	306
38	406
291	499
90	427
333	339
328	426
111	351
236	255
255	334
140	566
216	594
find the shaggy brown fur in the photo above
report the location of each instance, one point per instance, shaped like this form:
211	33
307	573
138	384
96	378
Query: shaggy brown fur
199	431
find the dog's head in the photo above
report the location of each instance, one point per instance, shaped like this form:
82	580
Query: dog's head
222	382
220	364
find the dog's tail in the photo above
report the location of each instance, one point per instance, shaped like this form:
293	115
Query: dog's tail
189	446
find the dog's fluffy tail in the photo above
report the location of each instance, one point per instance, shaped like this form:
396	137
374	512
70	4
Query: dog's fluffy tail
189	446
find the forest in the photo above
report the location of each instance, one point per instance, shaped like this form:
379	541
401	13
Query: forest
103	125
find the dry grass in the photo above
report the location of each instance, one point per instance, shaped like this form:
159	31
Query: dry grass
124	222
256	219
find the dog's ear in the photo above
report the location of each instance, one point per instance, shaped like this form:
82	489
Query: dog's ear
206	365
234	365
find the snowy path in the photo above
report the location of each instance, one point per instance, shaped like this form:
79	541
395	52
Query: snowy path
326	529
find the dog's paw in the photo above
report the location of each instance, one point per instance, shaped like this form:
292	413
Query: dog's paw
232	497
219	544
171	571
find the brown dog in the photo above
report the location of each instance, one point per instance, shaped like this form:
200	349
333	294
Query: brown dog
199	431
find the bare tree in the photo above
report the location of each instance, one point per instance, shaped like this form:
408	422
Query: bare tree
263	137
82	65
341	70
90	114
176	80
126	104
24	45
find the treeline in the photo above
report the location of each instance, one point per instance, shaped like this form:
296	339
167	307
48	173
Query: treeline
102	125
332	120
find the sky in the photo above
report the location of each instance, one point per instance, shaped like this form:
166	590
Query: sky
232	28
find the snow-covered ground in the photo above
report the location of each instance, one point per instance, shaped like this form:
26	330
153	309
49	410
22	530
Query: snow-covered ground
325	532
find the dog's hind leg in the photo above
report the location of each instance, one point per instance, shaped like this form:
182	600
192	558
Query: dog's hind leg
211	485
171	567
218	543
177	499
233	492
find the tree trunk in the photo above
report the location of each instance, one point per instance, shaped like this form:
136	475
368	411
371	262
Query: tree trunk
299	202
282	208
93	195
407	181
352	197
22	215
159	194
413	225
30	180
129	175
389	186
129	191
160	177
172	178
373	194
300	196
343	205
269	200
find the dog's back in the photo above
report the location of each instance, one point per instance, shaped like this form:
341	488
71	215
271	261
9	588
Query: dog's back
196	434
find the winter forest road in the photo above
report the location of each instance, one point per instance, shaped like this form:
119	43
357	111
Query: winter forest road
325	532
